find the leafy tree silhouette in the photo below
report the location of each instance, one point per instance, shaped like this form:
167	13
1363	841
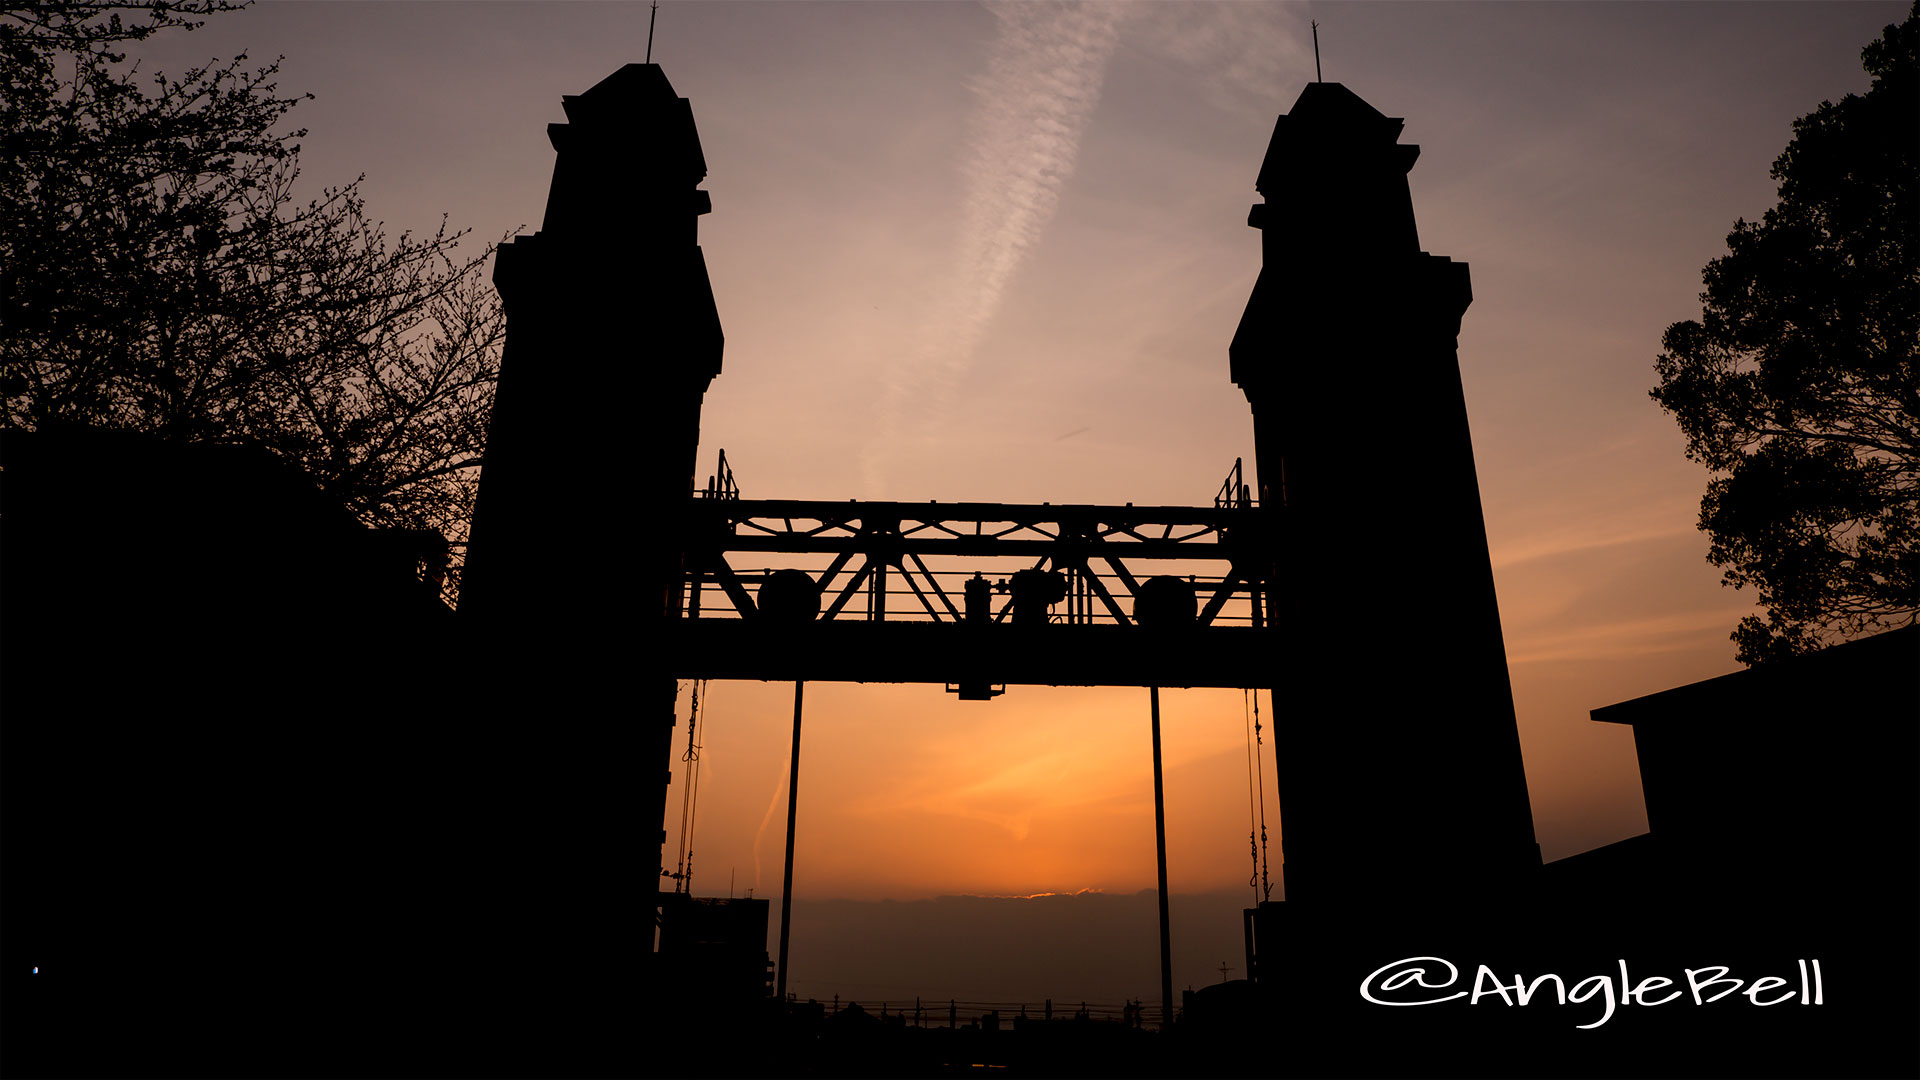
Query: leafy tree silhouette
1797	386
158	274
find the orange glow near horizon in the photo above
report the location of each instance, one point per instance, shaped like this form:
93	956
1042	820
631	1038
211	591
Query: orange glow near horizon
906	792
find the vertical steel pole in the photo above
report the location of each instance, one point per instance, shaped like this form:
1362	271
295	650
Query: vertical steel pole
1160	838
793	804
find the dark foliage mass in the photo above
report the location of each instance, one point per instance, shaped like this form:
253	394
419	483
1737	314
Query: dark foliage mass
158	273
1797	386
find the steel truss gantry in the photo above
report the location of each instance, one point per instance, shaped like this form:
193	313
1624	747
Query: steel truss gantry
891	591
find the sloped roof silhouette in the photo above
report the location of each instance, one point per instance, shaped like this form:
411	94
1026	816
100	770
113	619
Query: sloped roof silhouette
1327	119
637	103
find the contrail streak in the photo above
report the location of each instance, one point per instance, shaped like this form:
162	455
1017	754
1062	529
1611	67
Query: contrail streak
765	820
1043	79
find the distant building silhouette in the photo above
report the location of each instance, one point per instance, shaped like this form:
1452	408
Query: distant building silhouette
713	950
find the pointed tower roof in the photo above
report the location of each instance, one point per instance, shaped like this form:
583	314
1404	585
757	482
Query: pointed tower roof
1330	122
636	105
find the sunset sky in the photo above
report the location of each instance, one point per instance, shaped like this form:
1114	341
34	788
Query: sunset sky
964	252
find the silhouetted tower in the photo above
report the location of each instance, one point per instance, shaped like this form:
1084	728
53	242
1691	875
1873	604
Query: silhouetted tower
612	340
1398	756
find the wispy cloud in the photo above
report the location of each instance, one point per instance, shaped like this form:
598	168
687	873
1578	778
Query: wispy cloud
1252	57
766	819
1091	890
1627	639
1032	105
1656	522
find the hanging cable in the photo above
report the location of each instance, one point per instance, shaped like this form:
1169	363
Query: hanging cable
1253	801
682	867
1266	886
693	811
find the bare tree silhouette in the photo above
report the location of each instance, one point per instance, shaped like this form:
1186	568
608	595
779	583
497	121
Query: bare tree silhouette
162	276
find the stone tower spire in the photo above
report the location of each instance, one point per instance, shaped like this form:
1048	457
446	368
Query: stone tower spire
612	340
1398	755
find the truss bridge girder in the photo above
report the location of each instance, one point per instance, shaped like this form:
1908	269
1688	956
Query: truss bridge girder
888	613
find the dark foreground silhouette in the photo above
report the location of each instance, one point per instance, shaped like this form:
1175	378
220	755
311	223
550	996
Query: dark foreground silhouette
270	809
253	822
